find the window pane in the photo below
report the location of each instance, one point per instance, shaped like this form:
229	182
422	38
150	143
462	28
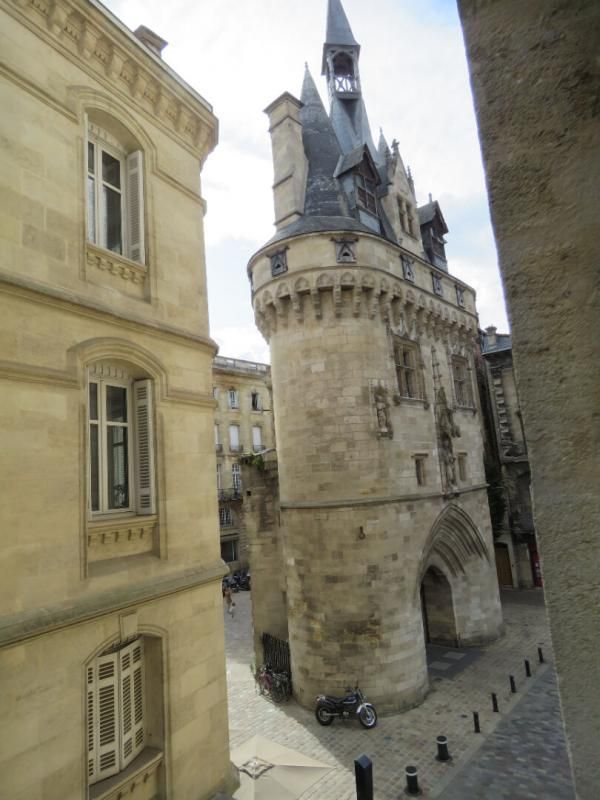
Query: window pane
94	469
93	401
111	170
112	220
91	166
116	404
91	210
117	467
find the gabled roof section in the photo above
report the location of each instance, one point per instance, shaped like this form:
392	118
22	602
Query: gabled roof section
322	151
429	211
355	157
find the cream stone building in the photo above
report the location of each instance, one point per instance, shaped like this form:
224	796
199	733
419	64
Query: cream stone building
243	425
385	527
111	641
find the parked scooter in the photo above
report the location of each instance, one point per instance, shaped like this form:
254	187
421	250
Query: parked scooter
354	704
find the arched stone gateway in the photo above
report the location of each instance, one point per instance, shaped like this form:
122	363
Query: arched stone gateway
459	595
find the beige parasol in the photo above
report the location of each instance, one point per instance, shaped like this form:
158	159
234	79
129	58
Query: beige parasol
269	771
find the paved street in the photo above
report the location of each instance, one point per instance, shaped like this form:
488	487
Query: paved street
516	748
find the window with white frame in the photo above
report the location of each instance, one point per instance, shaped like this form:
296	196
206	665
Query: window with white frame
217	437
225	517
255	403
234	438
229	550
115	195
115	684
236	477
218	477
463	393
257	444
234	401
121	452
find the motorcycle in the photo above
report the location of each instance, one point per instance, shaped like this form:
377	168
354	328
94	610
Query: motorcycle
354	704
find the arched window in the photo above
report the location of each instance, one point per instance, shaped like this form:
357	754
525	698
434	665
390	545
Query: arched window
121	440
115	188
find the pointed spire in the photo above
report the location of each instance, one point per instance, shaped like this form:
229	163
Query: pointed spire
383	149
322	151
338	27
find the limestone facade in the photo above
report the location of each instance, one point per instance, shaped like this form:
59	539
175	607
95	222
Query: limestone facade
243	425
383	501
111	642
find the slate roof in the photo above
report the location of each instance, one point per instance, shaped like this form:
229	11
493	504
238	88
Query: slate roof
429	211
318	225
503	342
338	27
322	151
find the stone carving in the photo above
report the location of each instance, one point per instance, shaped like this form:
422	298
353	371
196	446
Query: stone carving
345	250
382	408
447	430
278	262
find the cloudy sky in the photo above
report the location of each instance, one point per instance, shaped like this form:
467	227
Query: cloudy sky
241	55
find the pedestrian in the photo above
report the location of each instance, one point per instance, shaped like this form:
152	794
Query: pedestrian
228	600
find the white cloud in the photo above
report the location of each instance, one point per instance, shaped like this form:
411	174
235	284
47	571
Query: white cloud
242	341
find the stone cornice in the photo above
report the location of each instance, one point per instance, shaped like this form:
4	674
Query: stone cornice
107	261
20	627
353	502
100	45
33	291
360	292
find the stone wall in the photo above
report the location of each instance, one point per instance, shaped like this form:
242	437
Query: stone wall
534	72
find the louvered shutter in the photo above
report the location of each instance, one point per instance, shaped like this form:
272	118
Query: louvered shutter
139	698
107	733
144	440
131	672
91	705
135	207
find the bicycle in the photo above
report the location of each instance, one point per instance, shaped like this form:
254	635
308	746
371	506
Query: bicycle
277	685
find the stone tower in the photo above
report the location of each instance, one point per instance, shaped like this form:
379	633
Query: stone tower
384	519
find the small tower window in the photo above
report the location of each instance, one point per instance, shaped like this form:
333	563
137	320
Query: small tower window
407	269
437	284
365	188
343	73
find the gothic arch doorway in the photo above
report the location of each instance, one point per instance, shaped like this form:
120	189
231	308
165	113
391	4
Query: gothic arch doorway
437	609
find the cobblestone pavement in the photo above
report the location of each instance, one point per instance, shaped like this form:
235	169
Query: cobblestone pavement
409	738
525	757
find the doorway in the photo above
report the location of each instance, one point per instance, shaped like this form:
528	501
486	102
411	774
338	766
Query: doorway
503	568
437	609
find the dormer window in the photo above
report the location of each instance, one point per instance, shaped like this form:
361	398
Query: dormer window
365	189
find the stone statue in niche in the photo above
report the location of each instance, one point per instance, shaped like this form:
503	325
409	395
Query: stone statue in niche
447	430
382	407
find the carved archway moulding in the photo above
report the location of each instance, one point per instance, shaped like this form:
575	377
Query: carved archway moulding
454	539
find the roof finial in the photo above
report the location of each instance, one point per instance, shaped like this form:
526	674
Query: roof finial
430	198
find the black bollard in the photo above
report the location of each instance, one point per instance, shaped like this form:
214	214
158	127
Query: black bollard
476	728
527	669
540	655
363	772
513	687
442	749
412	781
494	702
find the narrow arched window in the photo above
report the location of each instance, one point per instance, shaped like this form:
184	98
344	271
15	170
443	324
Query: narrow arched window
115	191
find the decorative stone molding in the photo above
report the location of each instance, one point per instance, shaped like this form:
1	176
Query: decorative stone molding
107	51
345	249
116	264
121	537
382	410
361	293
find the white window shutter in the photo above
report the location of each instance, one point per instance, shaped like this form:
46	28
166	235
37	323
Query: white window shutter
135	207
92	711
131	671
139	698
144	440
107	717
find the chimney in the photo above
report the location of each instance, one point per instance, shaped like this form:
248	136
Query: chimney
491	336
151	40
290	165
